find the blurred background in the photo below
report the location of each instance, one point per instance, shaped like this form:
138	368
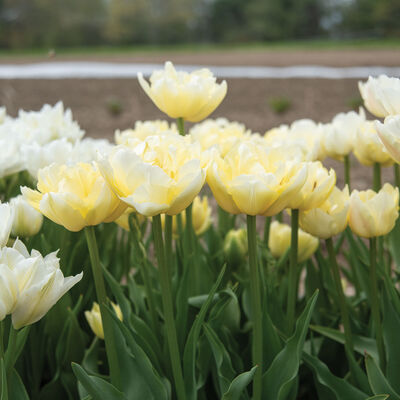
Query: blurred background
255	33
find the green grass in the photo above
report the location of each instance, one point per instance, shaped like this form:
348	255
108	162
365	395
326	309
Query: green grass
319	44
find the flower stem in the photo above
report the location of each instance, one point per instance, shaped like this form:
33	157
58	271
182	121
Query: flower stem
375	303
377	183
256	312
292	288
267	225
346	160
341	296
168	243
107	322
166	294
181	126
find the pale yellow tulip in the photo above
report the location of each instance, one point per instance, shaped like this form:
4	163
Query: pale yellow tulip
374	214
74	196
191	96
280	238
389	133
330	218
93	318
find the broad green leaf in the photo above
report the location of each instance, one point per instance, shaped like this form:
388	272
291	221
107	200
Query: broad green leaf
281	375
16	387
98	388
239	384
189	355
144	368
379	397
391	329
341	389
377	380
362	344
222	359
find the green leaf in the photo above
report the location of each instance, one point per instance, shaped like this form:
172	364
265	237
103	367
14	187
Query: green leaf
222	359
4	390
379	397
17	387
97	387
239	384
189	355
377	380
144	369
341	389
362	344
281	375
391	329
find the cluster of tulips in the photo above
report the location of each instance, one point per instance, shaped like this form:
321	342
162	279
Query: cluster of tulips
186	298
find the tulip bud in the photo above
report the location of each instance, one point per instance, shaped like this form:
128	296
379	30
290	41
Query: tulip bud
93	318
27	221
235	246
374	214
280	238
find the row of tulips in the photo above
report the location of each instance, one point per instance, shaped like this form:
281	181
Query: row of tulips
190	309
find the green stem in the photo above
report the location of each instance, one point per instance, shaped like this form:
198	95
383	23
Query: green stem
375	302
256	312
267	225
1	339
181	126
12	342
377	183
341	296
347	170
106	319
168	308
396	169
279	217
292	289
168	242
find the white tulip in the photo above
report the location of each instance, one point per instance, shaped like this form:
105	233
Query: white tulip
6	218
27	221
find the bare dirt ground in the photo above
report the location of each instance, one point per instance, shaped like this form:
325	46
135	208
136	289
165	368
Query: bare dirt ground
247	100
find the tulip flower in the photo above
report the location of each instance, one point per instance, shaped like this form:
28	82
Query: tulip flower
27	221
74	196
6	218
374	214
389	133
191	96
235	246
201	217
339	136
316	189
280	238
93	318
219	133
381	95
143	129
330	218
255	180
369	149
159	175
30	284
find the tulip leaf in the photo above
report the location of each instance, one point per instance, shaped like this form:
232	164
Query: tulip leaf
361	344
239	384
157	389
278	380
377	380
117	291
224	369
17	387
4	390
391	328
379	397
340	388
189	355
97	387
